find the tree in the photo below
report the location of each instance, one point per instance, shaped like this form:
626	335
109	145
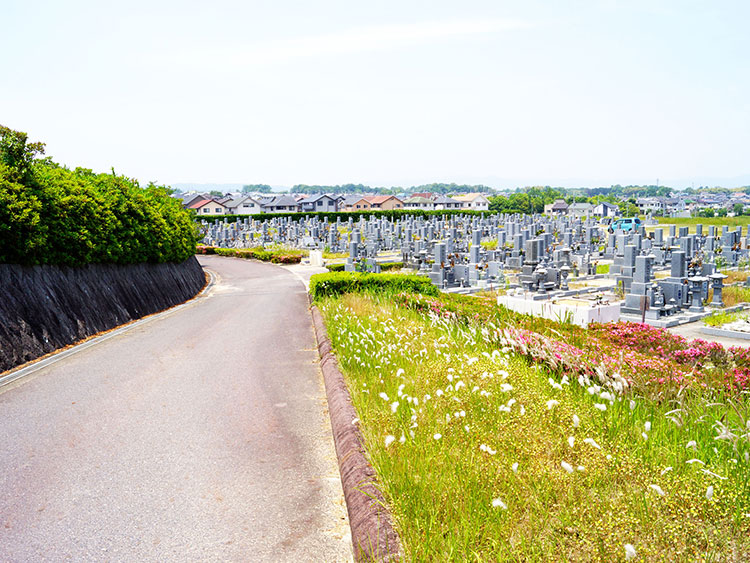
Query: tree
17	153
738	209
256	188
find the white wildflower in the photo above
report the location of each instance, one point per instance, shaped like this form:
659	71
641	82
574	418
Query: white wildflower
692	461
666	470
591	442
497	503
389	440
505	387
383	396
514	467
630	552
394	406
659	491
601	406
552	404
571	441
710	492
566	466
576	421
402	439
692	444
648	426
437	436
632	405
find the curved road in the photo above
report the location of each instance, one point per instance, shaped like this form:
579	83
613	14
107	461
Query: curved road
201	435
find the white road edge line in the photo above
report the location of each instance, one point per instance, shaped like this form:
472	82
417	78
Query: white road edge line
16	374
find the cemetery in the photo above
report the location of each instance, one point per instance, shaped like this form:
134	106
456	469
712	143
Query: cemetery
537	264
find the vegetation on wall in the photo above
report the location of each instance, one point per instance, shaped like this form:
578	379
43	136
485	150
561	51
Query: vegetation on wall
52	215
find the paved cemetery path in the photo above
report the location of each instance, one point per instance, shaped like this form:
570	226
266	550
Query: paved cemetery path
199	436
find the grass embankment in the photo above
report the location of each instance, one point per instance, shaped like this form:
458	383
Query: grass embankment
490	447
691	222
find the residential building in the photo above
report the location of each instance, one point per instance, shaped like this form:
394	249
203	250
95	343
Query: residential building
606	209
244	205
558	207
579	210
473	202
208	207
318	203
416	202
443	202
385	202
355	203
279	204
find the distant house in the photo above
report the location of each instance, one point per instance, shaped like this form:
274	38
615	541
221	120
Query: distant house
315	203
243	205
443	202
579	210
208	207
355	203
428	195
473	201
417	202
279	204
385	202
558	207
605	209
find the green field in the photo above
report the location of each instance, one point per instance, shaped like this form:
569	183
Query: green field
742	221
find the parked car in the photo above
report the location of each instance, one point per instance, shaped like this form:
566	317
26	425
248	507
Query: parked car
625	225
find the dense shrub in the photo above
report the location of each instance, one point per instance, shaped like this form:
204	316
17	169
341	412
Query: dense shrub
277	256
338	283
385	267
52	215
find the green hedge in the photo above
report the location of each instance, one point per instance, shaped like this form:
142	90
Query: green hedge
256	253
52	215
385	267
339	283
344	215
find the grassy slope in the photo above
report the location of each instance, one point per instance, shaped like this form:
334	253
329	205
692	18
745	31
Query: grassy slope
442	488
691	222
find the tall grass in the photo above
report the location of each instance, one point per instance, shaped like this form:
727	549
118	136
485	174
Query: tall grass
472	444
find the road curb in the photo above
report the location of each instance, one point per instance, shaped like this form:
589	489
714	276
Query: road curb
373	536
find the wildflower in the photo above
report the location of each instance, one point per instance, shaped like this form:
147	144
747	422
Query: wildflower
389	440
523	412
571	441
630	551
466	427
576	421
383	396
645	436
632	405
400	372
648	426
439	392
692	444
506	387
712	474
552	404
554	384
591	442
666	470
497	503
601	406
658	489
566	466
692	461
402	439
394	406
437	436
581	468
710	492
514	467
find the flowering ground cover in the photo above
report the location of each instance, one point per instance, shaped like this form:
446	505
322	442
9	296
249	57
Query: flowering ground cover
502	437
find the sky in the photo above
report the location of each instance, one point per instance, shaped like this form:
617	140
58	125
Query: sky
387	93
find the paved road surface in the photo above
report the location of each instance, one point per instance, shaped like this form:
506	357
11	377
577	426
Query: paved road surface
199	436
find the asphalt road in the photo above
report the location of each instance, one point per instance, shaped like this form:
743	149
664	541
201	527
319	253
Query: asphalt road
202	435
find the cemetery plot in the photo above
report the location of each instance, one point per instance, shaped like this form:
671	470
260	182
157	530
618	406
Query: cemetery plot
664	277
503	437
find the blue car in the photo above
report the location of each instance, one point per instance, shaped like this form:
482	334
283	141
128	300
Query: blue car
626	225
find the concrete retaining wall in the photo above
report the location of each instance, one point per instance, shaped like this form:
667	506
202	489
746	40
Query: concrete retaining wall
43	308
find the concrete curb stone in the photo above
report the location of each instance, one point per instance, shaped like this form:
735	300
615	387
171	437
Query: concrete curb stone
373	536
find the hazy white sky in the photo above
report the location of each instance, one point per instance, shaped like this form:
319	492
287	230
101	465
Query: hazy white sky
385	93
